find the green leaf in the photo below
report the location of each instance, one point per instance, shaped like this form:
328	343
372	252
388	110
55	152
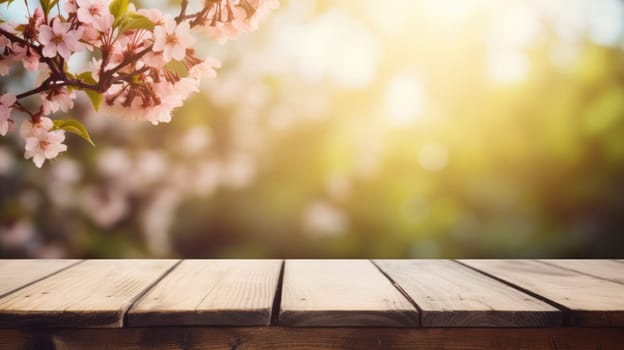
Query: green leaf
87	77
94	96
73	126
177	67
53	3
136	21
118	8
45	6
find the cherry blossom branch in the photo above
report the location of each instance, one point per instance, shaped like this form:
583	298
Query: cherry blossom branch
14	37
182	14
43	87
21	108
144	62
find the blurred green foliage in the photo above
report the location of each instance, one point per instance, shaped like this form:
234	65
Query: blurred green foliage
532	168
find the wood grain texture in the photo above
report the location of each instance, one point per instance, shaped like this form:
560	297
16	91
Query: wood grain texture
341	293
15	274
94	293
271	338
606	269
211	292
451	295
590	301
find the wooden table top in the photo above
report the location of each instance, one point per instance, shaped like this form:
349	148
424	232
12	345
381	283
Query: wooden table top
311	293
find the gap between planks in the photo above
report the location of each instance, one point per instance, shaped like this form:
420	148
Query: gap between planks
451	295
274	316
277	299
342	293
29	282
607	270
94	293
208	292
586	300
565	311
401	290
124	318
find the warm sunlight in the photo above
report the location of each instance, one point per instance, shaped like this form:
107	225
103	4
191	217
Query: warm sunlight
404	128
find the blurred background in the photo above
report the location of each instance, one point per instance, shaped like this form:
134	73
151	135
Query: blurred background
402	128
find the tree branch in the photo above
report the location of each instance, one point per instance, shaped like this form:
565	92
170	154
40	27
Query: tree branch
182	14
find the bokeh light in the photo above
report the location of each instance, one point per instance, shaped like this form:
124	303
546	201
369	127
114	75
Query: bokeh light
407	128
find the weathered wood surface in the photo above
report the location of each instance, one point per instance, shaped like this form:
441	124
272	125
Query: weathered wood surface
94	293
314	293
606	269
341	293
211	292
451	295
270	338
589	301
15	274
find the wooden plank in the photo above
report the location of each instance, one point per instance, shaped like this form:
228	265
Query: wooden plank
265	338
211	292
606	269
15	274
341	293
590	301
451	295
94	293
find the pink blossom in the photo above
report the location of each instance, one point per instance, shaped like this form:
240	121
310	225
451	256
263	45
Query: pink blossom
153	15
263	8
6	106
38	17
154	60
89	34
89	9
6	61
205	69
249	23
168	95
103	23
57	99
230	26
95	13
173	39
222	32
28	127
141	87
59	39
118	51
41	143
70	6
28	57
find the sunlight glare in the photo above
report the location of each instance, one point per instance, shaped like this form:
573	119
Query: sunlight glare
404	100
507	66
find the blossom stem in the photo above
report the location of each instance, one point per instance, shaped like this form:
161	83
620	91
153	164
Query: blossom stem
14	37
182	14
128	76
127	61
49	61
21	108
